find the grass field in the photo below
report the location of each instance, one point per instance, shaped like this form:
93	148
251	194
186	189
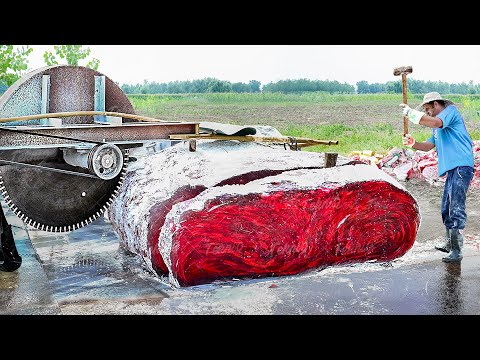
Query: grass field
358	122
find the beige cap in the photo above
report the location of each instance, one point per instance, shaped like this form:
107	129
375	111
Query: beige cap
433	96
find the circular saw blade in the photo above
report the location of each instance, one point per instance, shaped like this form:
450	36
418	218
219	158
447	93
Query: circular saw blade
54	201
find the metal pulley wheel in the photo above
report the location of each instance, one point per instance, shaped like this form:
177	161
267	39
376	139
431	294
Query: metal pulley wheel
106	161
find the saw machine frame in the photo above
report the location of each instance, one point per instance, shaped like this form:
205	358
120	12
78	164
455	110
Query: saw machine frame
80	146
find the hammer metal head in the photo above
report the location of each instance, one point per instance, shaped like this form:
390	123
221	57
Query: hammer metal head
402	70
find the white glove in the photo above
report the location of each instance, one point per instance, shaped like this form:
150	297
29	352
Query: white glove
413	115
408	140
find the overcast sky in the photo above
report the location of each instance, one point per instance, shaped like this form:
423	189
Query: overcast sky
132	64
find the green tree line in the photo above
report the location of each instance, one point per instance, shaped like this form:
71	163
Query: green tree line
207	85
418	87
212	85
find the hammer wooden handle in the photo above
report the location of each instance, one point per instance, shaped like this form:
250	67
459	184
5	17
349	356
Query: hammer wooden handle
404	91
404	70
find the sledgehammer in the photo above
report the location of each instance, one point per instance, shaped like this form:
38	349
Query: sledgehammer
403	70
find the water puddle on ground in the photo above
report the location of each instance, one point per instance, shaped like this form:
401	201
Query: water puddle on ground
429	198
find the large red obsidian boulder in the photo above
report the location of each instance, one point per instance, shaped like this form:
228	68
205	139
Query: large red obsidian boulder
236	210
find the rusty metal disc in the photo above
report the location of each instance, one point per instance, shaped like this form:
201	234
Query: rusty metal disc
50	200
72	88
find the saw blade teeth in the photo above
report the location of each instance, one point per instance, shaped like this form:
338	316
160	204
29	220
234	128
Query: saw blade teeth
38	220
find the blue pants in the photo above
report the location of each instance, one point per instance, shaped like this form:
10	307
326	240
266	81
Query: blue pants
454	215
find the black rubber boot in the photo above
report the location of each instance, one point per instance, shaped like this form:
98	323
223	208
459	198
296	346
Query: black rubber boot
455	254
446	246
10	260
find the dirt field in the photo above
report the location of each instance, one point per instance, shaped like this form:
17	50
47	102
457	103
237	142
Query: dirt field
280	115
284	114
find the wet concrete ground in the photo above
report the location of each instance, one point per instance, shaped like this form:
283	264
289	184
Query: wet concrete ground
86	272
